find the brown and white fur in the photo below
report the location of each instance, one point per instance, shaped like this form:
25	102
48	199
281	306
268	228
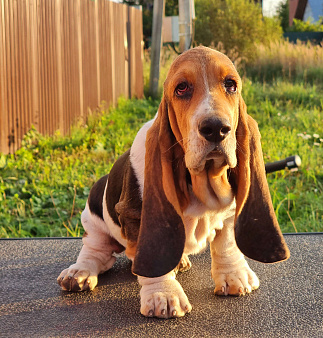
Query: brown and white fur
194	175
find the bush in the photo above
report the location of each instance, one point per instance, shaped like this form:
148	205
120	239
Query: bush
306	26
238	24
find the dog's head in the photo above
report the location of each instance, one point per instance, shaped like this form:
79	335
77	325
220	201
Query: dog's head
203	136
202	94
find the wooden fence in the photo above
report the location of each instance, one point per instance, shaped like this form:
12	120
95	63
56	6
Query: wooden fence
58	58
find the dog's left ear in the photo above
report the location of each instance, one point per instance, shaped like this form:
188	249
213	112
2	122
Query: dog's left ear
161	238
257	231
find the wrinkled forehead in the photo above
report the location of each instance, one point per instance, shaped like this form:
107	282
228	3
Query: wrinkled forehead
201	64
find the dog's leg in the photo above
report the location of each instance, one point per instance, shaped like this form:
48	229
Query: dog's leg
163	297
230	271
184	264
96	255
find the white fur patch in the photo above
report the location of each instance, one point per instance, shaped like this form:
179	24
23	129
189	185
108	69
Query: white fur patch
138	152
114	229
163	297
198	147
201	224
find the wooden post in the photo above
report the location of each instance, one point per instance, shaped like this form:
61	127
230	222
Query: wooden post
156	43
184	25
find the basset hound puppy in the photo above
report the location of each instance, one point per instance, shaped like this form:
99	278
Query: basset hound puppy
194	175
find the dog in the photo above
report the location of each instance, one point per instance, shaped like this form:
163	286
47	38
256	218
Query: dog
194	175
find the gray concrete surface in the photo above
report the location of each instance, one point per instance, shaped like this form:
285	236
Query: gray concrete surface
287	304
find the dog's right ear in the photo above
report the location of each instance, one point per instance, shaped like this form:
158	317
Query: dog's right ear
161	238
257	231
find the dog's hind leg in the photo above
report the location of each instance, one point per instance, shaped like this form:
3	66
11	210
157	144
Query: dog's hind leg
96	255
184	264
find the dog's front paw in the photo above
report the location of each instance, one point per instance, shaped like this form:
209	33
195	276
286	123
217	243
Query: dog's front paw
164	299
235	283
77	278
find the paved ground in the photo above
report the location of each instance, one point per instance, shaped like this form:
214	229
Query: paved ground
288	303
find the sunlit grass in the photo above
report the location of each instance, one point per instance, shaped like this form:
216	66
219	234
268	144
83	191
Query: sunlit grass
284	60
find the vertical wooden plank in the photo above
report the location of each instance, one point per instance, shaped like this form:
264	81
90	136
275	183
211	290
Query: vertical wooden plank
97	51
8	72
91	58
113	51
20	71
3	82
129	38
76	110
80	58
45	110
42	75
66	90
58	22
48	65
138	54
28	69
51	59
9	58
14	74
24	125
126	52
34	64
119	50
71	64
84	51
53	89
106	53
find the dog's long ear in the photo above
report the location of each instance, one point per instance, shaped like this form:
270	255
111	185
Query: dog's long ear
257	231
162	235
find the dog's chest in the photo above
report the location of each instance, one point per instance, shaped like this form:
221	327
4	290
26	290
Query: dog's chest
202	223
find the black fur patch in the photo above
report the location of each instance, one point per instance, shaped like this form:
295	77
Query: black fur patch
114	189
123	198
96	197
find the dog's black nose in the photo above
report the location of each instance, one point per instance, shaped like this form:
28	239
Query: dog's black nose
214	129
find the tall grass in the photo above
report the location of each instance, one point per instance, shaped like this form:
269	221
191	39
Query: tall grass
284	60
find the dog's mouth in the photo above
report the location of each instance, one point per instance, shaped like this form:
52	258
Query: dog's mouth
218	157
222	157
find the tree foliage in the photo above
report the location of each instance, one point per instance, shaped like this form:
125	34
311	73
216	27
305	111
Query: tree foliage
283	14
237	24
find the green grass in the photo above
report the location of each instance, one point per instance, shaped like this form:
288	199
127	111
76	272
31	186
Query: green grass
44	186
290	121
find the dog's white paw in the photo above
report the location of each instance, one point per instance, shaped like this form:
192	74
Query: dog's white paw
235	283
164	299
81	277
77	279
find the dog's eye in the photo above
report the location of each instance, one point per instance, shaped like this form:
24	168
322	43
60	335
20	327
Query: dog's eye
183	89
230	85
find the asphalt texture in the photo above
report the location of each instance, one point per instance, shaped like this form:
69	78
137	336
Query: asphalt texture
287	304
